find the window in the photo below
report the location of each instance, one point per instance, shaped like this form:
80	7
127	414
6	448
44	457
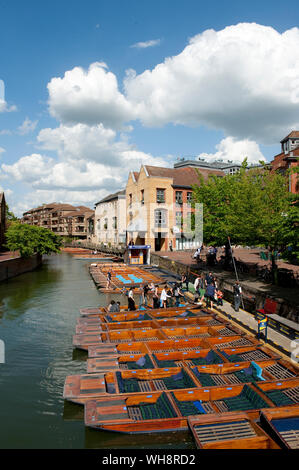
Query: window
189	197
160	195
179	197
178	219
142	196
160	218
130	200
105	224
115	222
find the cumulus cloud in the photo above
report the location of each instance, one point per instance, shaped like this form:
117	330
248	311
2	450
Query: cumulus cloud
90	160
146	44
236	150
89	97
27	126
243	80
29	168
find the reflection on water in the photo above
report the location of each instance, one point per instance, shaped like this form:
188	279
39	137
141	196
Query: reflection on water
38	313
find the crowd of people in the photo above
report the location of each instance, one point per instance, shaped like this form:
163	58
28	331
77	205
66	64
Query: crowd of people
152	296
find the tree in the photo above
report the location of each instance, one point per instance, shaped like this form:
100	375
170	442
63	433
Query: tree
249	207
30	239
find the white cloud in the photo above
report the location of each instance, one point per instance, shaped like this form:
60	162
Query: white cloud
2	150
243	80
89	97
146	44
29	168
27	126
236	150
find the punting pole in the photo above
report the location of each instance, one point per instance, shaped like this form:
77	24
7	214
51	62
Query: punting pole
235	268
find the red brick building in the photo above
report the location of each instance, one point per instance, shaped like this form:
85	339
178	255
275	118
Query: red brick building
288	158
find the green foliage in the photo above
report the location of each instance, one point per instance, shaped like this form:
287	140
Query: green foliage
10	215
249	207
30	239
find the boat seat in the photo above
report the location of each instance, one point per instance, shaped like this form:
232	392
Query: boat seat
161	409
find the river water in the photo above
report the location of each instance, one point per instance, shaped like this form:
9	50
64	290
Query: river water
38	313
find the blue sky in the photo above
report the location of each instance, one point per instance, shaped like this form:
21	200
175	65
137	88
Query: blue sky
74	121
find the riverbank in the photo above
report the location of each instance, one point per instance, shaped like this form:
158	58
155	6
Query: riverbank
255	292
12	265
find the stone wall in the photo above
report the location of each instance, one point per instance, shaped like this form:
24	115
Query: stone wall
253	298
13	267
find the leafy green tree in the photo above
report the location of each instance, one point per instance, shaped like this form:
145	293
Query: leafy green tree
30	239
249	207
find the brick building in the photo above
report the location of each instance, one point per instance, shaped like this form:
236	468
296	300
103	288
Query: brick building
63	219
287	159
158	202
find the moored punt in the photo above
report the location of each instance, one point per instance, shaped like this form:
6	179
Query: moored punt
282	424
83	341
126	315
149	378
123	276
169	411
229	431
186	330
81	388
282	392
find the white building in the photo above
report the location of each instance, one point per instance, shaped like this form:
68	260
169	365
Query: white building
110	219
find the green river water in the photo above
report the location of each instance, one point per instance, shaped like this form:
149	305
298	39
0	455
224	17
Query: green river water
38	313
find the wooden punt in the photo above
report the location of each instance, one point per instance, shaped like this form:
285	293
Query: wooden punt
123	276
160	360
112	378
237	341
282	392
282	424
116	337
81	388
83	341
126	315
229	431
169	411
249	353
172	333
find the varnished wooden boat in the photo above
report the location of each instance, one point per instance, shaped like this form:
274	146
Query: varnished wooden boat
182	328
125	315
251	353
150	377
169	411
81	388
83	341
229	431
282	424
123	276
281	393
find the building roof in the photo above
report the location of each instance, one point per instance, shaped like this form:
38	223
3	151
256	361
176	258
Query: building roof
184	177
111	197
291	135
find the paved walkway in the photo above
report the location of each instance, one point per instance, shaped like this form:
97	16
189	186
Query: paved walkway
185	257
5	255
246	321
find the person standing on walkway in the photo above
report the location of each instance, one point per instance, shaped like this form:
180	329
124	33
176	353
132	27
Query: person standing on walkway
131	301
237	295
163	297
177	294
209	279
109	277
210	295
156	298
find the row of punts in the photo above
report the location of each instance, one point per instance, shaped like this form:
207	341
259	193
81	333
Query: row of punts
122	276
184	369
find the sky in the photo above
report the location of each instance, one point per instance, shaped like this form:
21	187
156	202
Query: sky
92	90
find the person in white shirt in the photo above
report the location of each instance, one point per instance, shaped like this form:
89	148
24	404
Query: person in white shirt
131	301
163	297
